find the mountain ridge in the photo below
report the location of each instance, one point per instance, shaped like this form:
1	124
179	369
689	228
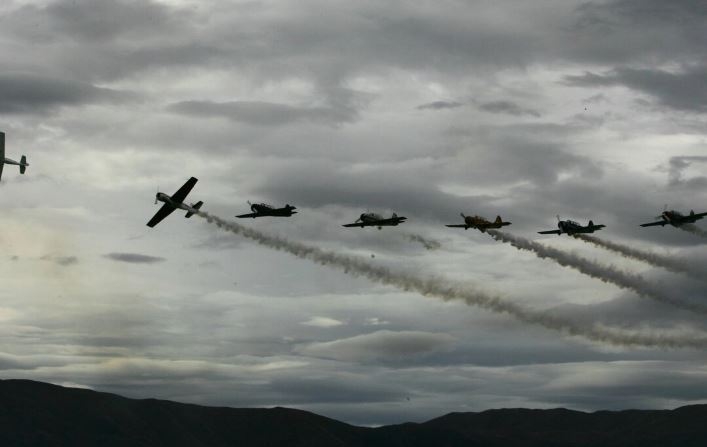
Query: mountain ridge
37	413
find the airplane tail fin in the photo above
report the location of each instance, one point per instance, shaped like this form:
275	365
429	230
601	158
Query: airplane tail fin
394	215
23	164
499	220
591	224
196	207
692	212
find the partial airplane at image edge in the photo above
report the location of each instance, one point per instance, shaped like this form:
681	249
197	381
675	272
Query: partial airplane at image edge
571	227
376	220
175	201
7	161
263	209
675	218
480	223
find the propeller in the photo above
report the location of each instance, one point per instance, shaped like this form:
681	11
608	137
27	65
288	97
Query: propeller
665	208
463	216
158	191
558	217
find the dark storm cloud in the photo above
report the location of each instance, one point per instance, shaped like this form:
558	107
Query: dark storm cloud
487	158
94	20
684	90
439	105
261	113
677	166
133	258
508	107
29	94
376	191
647	31
381	346
63	261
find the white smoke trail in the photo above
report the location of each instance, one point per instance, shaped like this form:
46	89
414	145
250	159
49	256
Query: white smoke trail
429	244
609	274
694	229
658	260
447	290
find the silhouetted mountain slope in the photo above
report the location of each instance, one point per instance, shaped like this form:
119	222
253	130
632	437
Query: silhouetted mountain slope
35	413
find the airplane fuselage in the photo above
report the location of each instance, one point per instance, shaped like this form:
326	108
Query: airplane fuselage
482	224
265	210
162	197
676	218
570	227
376	220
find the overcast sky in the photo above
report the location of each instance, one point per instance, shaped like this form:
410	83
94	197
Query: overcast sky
586	109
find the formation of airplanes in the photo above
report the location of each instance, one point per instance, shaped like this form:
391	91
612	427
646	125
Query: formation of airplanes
176	201
8	161
569	227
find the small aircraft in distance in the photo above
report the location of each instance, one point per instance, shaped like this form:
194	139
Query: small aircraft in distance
7	161
480	223
571	227
263	209
675	218
376	220
175	201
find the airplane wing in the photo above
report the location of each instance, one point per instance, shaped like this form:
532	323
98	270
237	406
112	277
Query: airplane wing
2	152
241	216
652	224
354	225
182	192
163	212
550	232
456	226
698	216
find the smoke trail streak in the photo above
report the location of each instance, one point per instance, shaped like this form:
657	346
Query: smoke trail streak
429	244
694	229
608	274
658	260
447	291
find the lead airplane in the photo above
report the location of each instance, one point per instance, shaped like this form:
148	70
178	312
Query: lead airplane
675	218
263	209
376	220
8	161
571	227
480	223
175	201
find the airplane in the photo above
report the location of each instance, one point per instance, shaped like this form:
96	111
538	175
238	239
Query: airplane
7	161
480	223
263	209
175	201
376	220
571	227
675	218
